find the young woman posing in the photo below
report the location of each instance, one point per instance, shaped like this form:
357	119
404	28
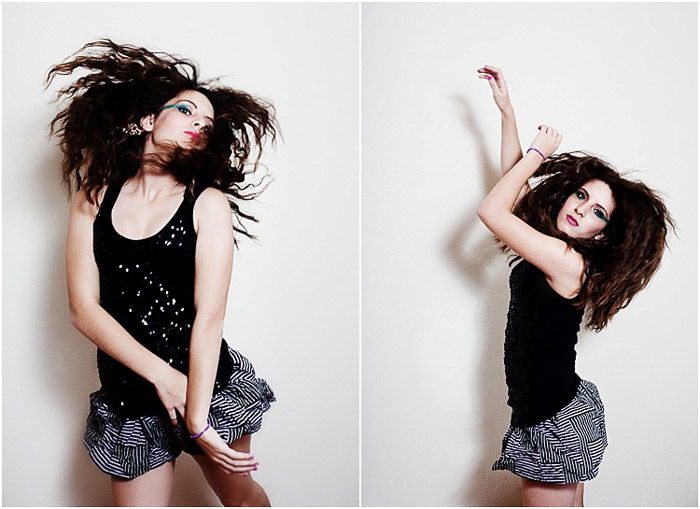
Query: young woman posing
154	154
589	240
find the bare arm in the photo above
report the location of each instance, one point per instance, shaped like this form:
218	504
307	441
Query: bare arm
213	265
511	152
82	278
562	266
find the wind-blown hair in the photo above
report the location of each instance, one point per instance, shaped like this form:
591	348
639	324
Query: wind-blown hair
124	83
620	264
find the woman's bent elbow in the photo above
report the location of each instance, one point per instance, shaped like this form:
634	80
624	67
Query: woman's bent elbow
482	212
78	315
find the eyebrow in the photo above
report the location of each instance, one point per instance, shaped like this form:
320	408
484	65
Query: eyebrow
193	104
588	195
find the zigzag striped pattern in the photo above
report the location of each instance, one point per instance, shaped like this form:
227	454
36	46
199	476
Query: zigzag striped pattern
567	448
129	447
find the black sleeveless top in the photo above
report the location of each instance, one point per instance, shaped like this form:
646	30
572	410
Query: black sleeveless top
147	285
540	358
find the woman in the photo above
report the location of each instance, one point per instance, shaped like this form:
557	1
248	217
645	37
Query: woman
589	240
154	155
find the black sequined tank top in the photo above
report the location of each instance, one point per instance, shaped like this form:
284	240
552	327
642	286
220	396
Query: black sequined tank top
147	285
540	355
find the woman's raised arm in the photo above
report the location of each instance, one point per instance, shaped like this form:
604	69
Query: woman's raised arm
91	319
562	265
511	151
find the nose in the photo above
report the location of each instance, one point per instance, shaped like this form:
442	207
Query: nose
578	212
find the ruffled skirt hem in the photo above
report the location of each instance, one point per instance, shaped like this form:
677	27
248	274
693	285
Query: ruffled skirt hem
567	448
129	447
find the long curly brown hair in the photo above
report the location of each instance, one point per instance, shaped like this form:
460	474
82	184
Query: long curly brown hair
124	83
620	264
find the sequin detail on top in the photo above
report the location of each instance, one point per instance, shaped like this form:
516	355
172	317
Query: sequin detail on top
147	285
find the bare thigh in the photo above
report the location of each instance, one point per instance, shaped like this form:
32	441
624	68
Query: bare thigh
150	489
544	494
579	495
233	490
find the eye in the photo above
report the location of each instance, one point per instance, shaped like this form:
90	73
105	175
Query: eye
184	109
207	128
600	215
580	195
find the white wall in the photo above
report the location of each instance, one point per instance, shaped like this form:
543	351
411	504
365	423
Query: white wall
616	79
293	306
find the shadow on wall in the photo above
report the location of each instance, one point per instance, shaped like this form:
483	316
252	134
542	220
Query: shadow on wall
484	269
69	371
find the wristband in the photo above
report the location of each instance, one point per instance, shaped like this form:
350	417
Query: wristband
201	432
540	153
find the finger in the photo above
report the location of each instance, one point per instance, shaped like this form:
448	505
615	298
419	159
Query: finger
235	467
492	68
233	453
230	465
173	416
237	459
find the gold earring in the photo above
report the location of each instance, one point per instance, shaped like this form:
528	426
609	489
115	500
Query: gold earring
132	129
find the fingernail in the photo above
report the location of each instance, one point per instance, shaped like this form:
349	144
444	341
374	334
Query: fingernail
488	77
255	467
251	458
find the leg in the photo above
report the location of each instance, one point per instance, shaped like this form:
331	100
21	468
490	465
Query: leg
149	489
548	494
579	496
233	490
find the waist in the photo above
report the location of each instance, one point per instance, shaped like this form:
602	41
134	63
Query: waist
130	395
539	397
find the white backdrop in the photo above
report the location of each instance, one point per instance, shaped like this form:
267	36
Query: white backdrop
293	306
619	80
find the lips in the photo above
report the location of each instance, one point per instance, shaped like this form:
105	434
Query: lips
571	220
193	135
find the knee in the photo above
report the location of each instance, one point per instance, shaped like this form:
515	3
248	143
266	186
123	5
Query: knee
246	494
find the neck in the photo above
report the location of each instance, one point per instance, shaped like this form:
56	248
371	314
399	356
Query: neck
150	183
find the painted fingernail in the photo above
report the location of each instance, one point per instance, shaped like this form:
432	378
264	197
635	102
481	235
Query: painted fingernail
251	458
488	77
255	467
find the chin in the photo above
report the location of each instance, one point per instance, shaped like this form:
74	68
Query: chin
565	227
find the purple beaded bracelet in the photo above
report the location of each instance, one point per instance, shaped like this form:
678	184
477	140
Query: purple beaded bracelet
201	432
540	153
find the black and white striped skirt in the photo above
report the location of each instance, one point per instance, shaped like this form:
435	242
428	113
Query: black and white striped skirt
129	447
566	448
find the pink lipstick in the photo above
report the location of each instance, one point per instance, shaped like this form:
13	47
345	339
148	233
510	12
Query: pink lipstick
194	136
571	220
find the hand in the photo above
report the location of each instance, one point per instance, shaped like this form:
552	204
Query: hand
229	460
547	141
498	86
171	388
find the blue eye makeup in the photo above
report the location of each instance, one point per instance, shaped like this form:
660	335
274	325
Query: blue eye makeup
600	215
181	107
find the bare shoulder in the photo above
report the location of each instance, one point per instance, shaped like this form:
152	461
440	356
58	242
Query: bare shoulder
212	205
82	206
569	276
